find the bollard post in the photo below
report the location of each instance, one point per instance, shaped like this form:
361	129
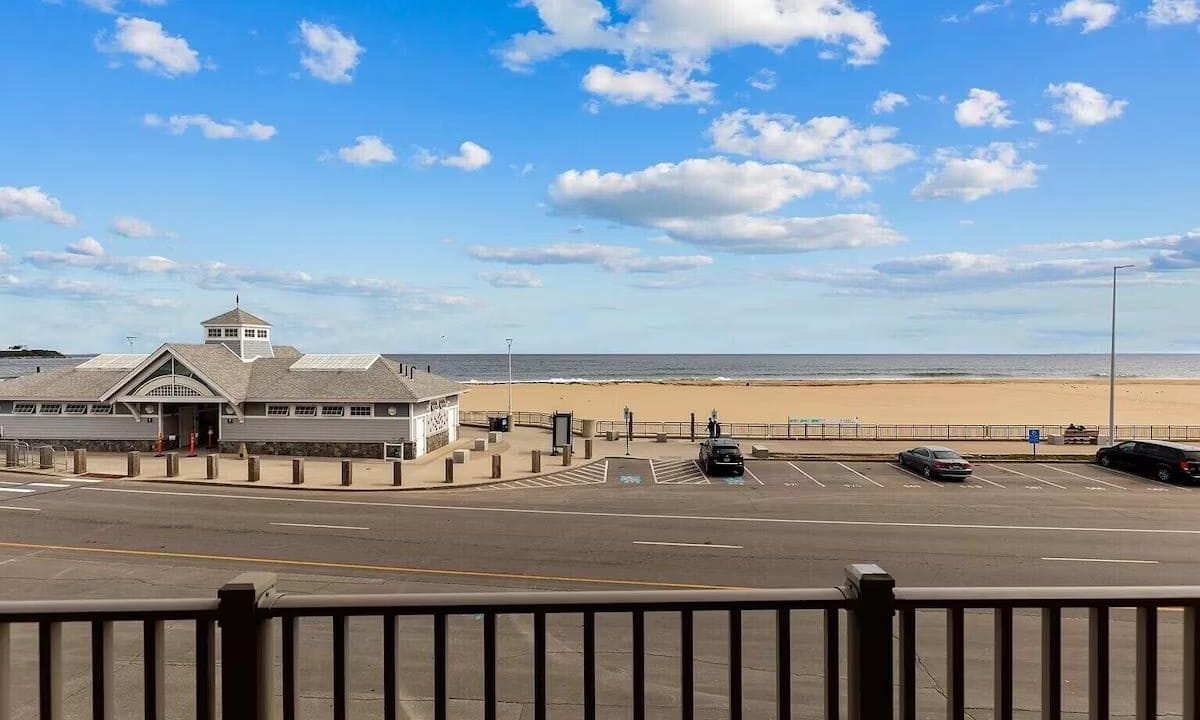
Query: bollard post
172	464
253	469
587	449
496	466
536	456
449	470
247	647
566	455
397	473
45	457
694	427
12	455
80	461
347	473
297	471
133	464
869	643
213	466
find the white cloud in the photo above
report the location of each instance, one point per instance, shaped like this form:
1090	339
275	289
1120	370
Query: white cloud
983	107
1043	125
211	129
366	151
328	54
88	246
650	86
756	234
153	50
87	253
989	6
765	80
614	258
110	6
1095	14
887	102
830	142
137	228
5	256
987	170
471	157
31	202
1085	105
1155	242
1173	12
510	278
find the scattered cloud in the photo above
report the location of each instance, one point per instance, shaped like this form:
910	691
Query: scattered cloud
86	246
764	79
995	168
650	86
887	102
6	258
983	107
1173	12
59	288
329	55
137	228
1043	125
614	258
211	129
89	254
765	235
367	150
31	202
1094	14
828	142
109	6
1085	105
471	157
152	49
516	278
982	8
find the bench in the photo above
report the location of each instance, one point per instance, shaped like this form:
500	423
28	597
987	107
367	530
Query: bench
1081	437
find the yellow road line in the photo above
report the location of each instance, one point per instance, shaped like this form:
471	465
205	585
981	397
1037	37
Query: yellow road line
360	566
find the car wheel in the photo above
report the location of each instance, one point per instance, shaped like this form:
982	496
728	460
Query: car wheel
927	472
1106	461
741	472
1163	473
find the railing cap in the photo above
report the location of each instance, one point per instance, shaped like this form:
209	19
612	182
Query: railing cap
257	583
861	574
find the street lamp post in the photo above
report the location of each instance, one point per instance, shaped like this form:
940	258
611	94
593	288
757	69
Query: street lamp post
628	427
1112	364
509	341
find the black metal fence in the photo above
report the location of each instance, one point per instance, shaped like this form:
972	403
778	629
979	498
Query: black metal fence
881	680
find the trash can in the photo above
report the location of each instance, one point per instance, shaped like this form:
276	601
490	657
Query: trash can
498	424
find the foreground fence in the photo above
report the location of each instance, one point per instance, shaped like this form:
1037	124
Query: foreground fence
851	431
580	669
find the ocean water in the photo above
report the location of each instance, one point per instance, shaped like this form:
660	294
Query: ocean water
615	368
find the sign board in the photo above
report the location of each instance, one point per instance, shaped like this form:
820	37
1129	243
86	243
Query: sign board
560	424
1035	437
805	421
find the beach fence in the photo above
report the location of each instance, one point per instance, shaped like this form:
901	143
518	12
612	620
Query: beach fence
840	431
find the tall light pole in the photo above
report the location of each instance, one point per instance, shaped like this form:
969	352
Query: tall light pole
509	341
1112	364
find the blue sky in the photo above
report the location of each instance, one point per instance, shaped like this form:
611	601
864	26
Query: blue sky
602	176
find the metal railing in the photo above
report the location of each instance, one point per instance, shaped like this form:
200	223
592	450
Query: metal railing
863	614
843	431
15	453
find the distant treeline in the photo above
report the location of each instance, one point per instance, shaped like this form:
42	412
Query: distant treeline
24	352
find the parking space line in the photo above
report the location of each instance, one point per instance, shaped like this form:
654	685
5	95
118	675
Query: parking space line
1014	472
48	485
810	477
653	472
751	474
320	527
1101	560
16	490
1139	477
989	482
1085	477
864	477
690	545
906	471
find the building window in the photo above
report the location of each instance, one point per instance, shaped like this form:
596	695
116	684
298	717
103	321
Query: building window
173	391
278	410
102	409
361	411
231	332
53	409
214	332
333	411
262	334
76	409
24	408
306	411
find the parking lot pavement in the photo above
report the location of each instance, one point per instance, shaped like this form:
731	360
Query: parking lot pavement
678	472
591	474
15	486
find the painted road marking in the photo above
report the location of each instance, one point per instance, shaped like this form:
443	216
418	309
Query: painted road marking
751	474
694	545
1014	472
16	490
1084	477
84	480
48	485
864	477
1139	477
323	527
1101	560
906	471
631	479
654	516
678	472
810	477
14	507
653	473
989	482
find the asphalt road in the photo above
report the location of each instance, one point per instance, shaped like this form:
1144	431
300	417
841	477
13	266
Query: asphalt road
620	524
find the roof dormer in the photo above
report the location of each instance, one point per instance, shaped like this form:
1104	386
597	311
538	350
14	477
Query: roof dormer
248	336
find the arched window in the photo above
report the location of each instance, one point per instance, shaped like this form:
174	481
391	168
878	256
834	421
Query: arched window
173	391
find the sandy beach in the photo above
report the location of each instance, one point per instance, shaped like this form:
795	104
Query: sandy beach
1160	402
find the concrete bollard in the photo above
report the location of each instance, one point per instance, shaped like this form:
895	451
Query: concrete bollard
449	471
347	473
493	437
46	457
12	455
297	471
212	465
172	464
133	464
397	473
537	461
587	449
80	461
612	435
479	444
253	469
566	455
496	467
660	437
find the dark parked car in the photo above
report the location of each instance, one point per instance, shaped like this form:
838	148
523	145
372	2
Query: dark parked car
935	462
1165	461
721	455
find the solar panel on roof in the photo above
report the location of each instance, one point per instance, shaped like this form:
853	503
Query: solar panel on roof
113	362
335	362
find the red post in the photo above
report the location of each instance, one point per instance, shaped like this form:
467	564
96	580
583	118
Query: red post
192	444
158	446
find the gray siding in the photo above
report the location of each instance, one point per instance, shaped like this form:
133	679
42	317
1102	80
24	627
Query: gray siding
260	429
68	427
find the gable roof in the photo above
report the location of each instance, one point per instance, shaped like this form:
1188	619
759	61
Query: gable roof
64	383
215	363
236	316
273	379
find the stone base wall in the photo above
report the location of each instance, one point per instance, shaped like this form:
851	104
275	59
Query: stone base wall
437	441
99	446
366	451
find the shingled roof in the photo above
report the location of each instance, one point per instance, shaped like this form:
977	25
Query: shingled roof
273	379
64	383
236	316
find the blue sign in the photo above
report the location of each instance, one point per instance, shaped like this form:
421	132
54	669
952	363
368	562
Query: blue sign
1035	437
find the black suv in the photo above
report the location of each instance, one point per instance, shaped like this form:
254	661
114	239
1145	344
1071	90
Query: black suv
718	454
1166	461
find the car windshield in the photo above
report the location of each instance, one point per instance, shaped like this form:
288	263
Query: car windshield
946	455
1192	455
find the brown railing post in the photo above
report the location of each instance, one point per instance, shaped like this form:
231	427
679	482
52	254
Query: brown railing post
246	648
869	640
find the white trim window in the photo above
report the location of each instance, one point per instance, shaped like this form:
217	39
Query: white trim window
24	408
77	408
333	411
362	411
262	334
214	332
50	409
99	409
231	332
278	410
306	411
